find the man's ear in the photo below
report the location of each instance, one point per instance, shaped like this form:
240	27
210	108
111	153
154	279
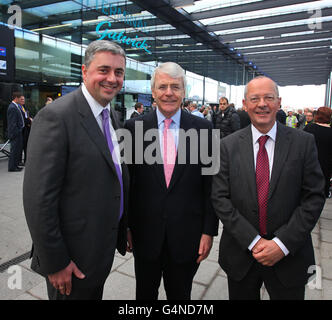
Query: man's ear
244	105
84	71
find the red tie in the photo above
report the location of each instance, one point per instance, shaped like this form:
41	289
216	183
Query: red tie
262	183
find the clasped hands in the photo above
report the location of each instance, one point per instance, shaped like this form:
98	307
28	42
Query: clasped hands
267	252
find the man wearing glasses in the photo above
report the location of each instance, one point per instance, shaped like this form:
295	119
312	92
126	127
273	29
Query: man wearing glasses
266	230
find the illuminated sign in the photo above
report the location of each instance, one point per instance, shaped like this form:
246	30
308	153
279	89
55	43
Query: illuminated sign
120	37
3	65
2	51
7	53
104	31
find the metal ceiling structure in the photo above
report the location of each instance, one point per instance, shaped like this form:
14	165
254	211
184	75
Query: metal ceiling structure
284	39
228	41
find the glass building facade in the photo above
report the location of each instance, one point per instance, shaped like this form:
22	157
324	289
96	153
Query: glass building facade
48	41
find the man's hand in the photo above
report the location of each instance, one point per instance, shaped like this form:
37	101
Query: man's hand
267	252
129	241
204	247
61	280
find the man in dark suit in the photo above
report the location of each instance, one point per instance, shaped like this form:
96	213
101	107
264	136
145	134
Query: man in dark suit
281	116
15	125
25	131
75	190
244	118
171	218
266	230
139	108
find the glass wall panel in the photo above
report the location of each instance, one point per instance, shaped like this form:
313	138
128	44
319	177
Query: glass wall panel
211	91
195	87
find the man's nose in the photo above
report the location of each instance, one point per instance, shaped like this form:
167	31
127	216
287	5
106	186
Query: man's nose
261	102
169	91
111	76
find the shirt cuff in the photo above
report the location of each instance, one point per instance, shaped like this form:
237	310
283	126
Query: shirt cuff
252	244
281	246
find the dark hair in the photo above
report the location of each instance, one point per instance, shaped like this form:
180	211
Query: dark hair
223	98
186	103
99	46
17	94
323	115
138	105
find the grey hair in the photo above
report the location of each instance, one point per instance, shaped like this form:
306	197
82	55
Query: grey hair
261	77
172	69
101	45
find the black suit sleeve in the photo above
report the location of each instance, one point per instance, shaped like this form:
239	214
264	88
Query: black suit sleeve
13	123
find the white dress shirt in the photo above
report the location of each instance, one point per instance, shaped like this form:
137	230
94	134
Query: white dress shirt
269	146
97	109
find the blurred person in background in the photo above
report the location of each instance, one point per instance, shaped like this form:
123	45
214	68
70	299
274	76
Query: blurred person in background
291	120
139	108
309	117
25	131
194	110
281	116
226	120
244	118
15	126
322	132
301	119
48	100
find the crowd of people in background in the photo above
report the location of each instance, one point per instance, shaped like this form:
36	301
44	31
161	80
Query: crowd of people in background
229	119
225	117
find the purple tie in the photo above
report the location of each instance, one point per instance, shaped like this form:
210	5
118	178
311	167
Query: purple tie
262	183
107	132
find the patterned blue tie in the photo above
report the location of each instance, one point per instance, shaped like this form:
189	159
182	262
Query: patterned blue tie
107	132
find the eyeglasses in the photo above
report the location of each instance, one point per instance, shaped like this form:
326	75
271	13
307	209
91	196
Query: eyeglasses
267	98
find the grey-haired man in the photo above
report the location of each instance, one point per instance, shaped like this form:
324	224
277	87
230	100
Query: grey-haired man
75	190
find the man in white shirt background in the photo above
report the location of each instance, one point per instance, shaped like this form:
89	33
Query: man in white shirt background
194	110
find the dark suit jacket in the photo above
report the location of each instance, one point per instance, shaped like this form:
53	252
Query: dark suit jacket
134	114
281	116
71	192
15	121
295	202
244	118
180	213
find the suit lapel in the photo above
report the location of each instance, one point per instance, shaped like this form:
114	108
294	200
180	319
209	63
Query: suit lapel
90	124
151	122
281	150
247	161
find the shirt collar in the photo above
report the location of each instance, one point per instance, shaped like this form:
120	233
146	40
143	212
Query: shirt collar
256	134
176	117
95	106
